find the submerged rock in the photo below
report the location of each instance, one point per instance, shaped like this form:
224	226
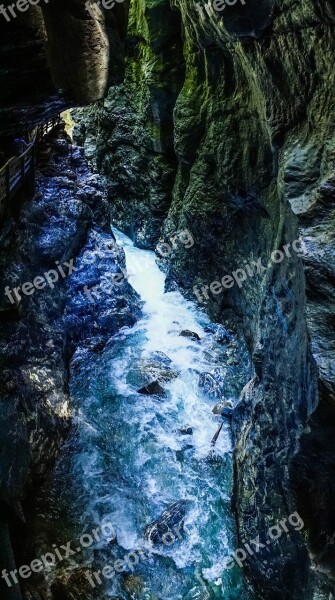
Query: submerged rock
199	593
223	335
160	357
213	383
185	453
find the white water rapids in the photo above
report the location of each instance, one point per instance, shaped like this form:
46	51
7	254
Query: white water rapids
134	454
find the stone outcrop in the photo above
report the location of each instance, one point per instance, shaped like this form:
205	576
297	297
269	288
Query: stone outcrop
224	126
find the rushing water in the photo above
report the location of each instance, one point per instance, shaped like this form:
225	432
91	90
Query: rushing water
130	461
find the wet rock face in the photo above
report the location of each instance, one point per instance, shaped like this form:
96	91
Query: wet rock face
315	462
84	47
61	241
253	150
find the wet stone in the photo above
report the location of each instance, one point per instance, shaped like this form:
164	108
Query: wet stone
190	334
221	406
171	518
153	389
186	431
147	370
227	412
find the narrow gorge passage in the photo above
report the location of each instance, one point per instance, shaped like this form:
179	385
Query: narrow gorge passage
167	399
134	456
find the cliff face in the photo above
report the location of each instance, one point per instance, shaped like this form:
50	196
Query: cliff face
224	126
54	55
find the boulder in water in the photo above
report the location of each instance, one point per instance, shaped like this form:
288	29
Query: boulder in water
171	518
190	334
154	368
152	389
186	431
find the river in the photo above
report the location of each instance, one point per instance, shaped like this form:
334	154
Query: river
133	454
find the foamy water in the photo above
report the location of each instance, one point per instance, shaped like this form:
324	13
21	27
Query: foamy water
133	460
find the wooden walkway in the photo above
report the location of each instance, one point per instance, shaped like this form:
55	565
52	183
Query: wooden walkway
15	173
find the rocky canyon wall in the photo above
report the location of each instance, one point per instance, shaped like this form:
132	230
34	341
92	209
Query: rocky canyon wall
224	126
56	54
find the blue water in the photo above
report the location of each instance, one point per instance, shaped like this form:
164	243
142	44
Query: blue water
129	460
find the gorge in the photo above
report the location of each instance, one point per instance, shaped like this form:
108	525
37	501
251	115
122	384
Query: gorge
196	199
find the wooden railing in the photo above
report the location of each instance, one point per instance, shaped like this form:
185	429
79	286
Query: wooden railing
16	171
46	128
